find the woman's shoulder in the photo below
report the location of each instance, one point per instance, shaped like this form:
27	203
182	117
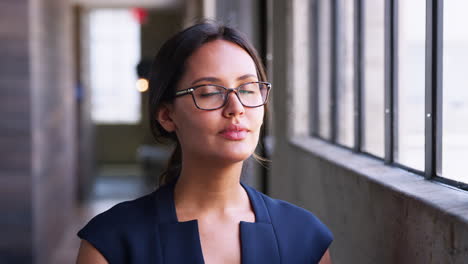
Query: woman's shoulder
126	222
289	219
288	211
127	211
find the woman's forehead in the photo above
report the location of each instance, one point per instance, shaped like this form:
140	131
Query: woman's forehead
220	58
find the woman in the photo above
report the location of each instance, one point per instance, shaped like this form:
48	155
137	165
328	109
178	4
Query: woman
202	213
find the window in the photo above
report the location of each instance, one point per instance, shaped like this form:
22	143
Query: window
324	68
409	148
333	71
114	52
373	137
383	62
455	91
345	75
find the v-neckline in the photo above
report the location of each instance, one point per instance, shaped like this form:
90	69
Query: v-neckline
180	242
174	210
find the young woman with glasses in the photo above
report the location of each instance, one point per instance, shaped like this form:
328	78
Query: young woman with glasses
208	92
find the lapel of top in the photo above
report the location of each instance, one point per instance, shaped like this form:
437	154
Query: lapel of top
180	241
258	240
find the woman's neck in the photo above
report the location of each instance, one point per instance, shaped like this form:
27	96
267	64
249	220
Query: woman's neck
210	189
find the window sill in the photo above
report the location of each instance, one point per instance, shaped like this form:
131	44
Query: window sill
444	198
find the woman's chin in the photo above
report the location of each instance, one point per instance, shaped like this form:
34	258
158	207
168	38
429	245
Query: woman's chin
233	156
223	153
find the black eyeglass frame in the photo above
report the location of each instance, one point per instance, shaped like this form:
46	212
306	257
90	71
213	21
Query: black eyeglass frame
229	90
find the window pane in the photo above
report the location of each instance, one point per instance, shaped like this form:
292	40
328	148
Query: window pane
114	51
455	92
374	77
346	78
411	89
324	35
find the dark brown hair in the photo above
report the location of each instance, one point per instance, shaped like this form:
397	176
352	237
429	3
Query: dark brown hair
168	68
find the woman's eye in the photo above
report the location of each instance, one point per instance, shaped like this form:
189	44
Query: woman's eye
209	94
246	92
208	91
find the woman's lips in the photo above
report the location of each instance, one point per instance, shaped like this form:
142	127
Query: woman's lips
234	132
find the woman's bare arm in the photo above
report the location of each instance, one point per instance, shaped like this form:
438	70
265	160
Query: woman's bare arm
89	254
326	259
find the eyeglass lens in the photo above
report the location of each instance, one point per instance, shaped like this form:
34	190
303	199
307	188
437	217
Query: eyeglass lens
212	96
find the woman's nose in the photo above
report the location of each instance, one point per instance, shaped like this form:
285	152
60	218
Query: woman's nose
233	105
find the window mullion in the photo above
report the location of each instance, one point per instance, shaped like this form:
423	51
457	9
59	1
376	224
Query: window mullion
390	77
314	67
358	74
334	72
433	94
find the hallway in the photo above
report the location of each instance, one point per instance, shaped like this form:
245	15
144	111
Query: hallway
114	184
366	125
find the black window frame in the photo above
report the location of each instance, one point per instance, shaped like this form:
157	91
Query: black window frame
433	84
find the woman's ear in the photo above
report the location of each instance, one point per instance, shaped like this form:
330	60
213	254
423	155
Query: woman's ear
164	117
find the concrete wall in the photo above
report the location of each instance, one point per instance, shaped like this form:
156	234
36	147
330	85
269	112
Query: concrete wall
244	15
377	213
53	123
37	128
15	133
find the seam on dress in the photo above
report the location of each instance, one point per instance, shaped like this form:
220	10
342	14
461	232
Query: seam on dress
161	253
273	227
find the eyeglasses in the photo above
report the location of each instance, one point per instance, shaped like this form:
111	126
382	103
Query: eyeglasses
213	96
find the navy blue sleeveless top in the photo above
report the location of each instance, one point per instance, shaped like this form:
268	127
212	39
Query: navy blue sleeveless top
146	230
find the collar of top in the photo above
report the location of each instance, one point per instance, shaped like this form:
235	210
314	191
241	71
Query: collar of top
180	241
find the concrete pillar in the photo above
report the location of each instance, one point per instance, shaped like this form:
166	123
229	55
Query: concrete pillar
36	128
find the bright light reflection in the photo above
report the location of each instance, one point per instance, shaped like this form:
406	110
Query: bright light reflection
142	85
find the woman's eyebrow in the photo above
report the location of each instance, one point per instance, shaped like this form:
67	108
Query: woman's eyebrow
208	79
245	76
214	79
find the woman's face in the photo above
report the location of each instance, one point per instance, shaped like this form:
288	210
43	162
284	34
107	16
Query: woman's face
229	134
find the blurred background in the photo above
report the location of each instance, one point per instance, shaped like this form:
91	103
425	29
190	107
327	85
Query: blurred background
75	136
367	124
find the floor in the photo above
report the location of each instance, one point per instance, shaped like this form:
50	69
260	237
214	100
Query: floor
114	184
